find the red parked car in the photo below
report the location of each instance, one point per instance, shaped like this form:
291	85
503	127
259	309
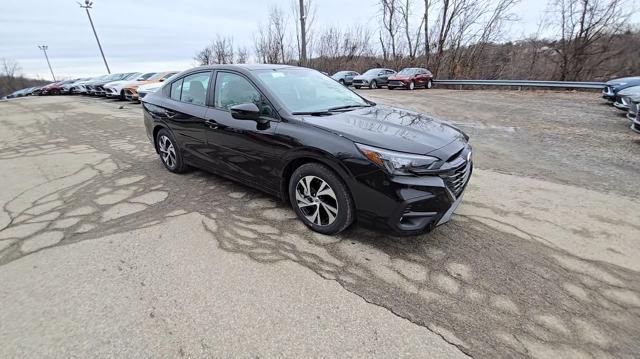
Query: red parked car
53	89
410	78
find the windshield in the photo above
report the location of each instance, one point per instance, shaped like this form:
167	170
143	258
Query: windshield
159	75
304	90
133	76
147	75
372	72
408	71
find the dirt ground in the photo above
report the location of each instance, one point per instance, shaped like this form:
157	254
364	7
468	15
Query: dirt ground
105	253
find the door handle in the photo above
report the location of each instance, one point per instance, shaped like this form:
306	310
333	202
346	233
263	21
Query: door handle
212	124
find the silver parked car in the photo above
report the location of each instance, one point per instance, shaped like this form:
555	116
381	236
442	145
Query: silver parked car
373	78
622	98
634	107
345	77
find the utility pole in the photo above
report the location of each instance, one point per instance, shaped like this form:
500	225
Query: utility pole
44	49
303	36
87	6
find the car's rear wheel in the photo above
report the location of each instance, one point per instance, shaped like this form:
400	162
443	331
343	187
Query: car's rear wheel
357	87
429	84
341	81
373	85
320	199
169	152
412	85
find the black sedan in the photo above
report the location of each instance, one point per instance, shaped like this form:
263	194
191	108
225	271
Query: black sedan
296	134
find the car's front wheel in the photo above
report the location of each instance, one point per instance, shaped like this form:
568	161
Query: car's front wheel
320	199
169	152
412	85
373	85
357	87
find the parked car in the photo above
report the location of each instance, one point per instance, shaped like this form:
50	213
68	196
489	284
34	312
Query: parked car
622	98
85	87
80	87
612	87
67	89
297	134
37	91
345	77
144	90
58	87
635	125
373	78
131	90
96	88
410	78
634	107
116	89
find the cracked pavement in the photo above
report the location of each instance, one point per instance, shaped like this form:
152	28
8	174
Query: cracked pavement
104	253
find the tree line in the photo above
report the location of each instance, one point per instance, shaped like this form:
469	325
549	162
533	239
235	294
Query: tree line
576	40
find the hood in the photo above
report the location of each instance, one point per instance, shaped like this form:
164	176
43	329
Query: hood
119	83
364	77
622	80
393	129
400	77
135	84
630	91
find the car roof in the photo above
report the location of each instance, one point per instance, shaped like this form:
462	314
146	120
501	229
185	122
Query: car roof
248	67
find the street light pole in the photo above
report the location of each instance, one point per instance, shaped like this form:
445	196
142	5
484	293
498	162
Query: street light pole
44	49
87	6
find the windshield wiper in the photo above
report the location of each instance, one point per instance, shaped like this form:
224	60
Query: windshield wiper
313	113
346	107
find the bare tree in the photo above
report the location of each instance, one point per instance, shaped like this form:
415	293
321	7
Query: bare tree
390	24
222	48
10	68
205	56
412	35
308	19
271	42
583	29
242	55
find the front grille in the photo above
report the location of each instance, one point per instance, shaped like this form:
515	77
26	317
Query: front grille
358	81
457	179
396	83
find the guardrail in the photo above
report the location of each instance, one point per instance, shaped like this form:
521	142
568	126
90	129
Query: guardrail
523	83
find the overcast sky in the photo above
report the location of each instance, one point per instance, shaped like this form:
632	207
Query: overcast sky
148	35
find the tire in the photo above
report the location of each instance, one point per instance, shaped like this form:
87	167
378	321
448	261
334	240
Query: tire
315	211
412	85
390	87
357	87
373	85
166	146
341	81
429	84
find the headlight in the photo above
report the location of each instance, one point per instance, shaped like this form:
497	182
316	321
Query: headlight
397	163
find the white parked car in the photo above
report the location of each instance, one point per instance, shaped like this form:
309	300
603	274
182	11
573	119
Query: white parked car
115	89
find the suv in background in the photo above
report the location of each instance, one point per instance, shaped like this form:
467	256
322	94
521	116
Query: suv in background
410	78
345	77
373	78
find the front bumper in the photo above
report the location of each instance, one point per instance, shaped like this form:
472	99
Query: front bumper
397	83
411	205
635	125
621	103
608	94
131	94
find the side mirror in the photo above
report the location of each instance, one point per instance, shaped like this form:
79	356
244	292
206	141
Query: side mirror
139	79
245	111
161	80
380	73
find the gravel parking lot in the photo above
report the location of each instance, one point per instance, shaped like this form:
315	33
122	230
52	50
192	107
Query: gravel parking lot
104	253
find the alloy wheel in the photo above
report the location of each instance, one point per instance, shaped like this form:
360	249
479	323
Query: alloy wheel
412	85
316	200
167	152
374	84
